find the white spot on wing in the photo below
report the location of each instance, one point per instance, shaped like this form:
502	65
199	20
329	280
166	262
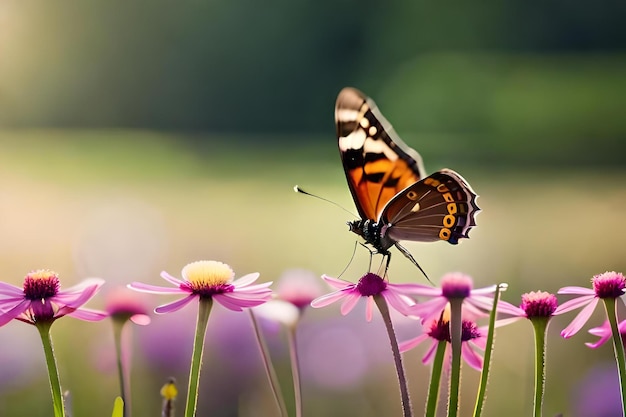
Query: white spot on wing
415	208
372	130
346	115
354	140
379	146
364	123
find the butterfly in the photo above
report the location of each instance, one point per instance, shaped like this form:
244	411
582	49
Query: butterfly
394	197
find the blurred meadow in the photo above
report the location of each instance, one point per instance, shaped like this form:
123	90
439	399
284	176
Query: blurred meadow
137	137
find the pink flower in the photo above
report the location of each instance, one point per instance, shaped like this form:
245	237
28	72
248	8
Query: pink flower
535	305
368	286
299	287
471	337
124	305
453	286
40	299
209	279
606	285
604	333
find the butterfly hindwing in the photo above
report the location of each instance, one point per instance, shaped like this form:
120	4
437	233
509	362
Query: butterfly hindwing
377	163
442	206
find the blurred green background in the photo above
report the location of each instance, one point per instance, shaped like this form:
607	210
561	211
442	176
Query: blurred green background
140	136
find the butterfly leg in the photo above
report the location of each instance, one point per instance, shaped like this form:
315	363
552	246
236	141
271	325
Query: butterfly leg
382	272
406	253
371	254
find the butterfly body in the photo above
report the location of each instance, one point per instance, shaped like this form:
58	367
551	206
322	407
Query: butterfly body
394	197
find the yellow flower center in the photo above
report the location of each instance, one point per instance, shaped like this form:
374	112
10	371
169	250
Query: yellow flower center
207	274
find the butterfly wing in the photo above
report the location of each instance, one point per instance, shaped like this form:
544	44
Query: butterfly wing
378	164
442	206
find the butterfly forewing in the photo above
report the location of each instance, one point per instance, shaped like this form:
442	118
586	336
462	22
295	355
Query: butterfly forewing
440	207
377	163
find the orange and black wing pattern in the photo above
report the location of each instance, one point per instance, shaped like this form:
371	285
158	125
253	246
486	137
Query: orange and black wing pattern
378	164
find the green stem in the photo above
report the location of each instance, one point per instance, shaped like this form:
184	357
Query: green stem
269	367
435	379
118	326
53	372
484	375
397	358
456	327
204	309
540	325
611	306
295	370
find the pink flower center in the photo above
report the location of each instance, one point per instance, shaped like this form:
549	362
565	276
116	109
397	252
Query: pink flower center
41	284
469	331
456	285
538	304
440	330
371	284
609	284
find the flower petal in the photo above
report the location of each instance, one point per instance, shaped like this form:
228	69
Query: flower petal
246	279
254	288
416	289
75	299
429	309
84	284
429	355
337	283
154	289
172	280
472	358
228	303
508	308
576	290
369	308
580	320
482	291
8	289
574	303
88	314
141	319
330	298
411	343
397	302
239	302
175	305
350	301
262	294
15	311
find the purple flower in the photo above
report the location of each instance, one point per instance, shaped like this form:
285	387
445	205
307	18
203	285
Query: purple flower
606	285
41	300
209	279
471	337
604	333
368	286
453	286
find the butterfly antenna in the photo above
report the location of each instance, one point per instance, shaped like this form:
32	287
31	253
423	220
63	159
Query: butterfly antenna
297	189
